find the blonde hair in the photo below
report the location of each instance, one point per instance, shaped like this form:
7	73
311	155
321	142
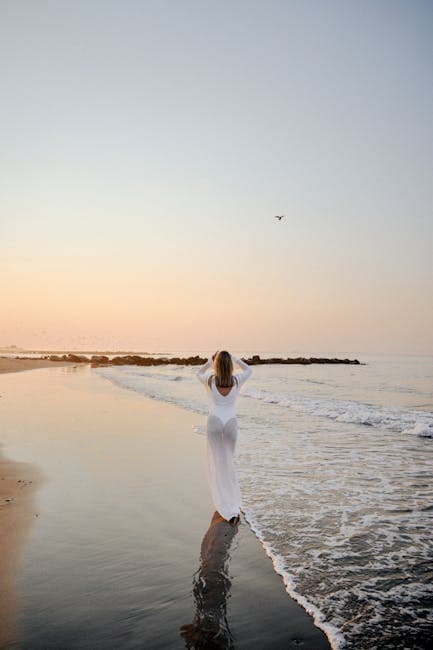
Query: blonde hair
223	366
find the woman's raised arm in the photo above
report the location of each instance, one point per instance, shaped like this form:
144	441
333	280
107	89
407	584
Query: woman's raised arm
201	372
246	370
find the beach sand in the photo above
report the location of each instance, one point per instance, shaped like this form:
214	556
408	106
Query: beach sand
18	482
8	364
127	551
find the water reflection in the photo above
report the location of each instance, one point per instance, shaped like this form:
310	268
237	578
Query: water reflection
211	586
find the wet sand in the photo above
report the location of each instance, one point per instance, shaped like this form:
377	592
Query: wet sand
127	551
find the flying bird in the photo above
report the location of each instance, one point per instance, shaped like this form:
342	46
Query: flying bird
279	218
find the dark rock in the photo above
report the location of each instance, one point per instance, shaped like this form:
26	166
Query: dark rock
99	358
77	358
138	360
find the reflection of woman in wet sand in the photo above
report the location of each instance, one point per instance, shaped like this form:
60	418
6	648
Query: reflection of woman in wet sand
210	629
223	387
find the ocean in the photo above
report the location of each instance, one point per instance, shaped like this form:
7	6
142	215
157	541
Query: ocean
335	464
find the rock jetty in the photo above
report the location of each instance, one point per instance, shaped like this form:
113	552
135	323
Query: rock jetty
137	360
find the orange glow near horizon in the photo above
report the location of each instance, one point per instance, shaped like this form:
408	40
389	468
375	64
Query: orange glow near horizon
61	305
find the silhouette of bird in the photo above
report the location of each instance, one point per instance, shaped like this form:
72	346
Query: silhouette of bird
279	218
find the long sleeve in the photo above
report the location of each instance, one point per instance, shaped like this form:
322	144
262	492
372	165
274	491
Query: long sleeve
246	370
201	373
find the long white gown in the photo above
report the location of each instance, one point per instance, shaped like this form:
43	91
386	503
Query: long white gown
222	432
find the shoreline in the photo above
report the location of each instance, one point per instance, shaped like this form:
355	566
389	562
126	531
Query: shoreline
18	485
138	464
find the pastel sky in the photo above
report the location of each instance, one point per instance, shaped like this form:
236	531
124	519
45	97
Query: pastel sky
147	145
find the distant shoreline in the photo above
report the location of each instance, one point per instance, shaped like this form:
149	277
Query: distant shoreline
13	364
137	360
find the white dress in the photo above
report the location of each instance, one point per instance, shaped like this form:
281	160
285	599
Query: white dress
222	431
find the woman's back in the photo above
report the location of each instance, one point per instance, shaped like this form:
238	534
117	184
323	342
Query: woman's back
222	400
222	388
222	406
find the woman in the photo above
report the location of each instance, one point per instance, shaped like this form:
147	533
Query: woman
222	387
